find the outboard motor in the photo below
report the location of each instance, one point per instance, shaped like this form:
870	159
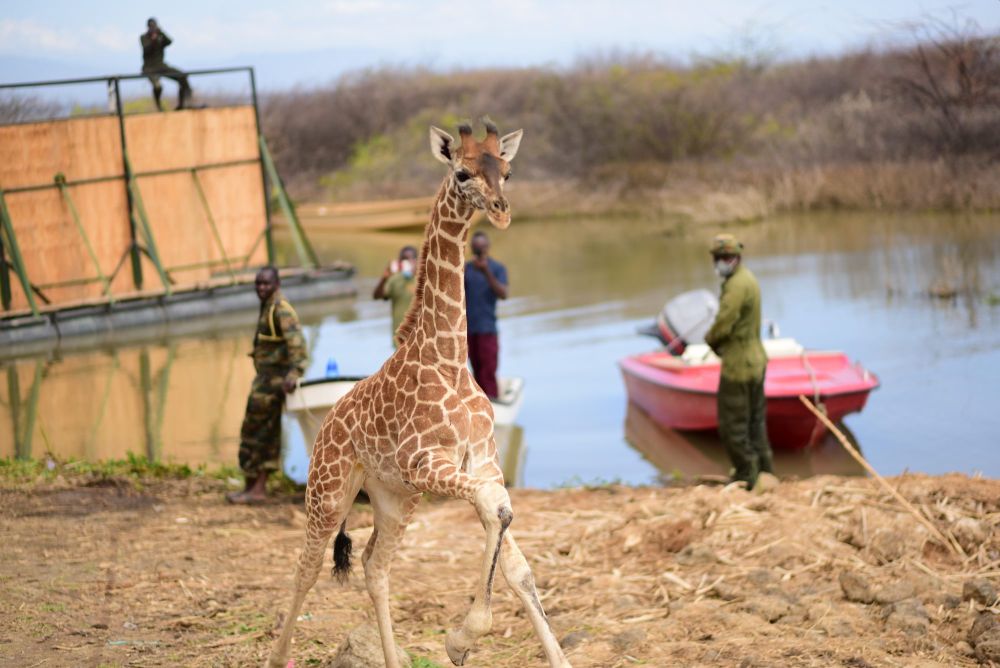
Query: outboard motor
685	319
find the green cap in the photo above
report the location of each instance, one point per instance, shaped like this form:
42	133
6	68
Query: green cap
725	244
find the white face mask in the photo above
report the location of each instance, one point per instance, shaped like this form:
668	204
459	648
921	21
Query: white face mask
725	268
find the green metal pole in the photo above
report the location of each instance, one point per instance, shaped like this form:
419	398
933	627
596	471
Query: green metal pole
5	296
133	246
60	180
14	399
145	386
147	232
15	251
161	399
307	256
211	224
92	438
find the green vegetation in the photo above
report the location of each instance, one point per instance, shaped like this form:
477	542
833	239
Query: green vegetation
133	466
423	662
737	137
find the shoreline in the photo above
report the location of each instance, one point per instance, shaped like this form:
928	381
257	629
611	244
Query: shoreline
120	570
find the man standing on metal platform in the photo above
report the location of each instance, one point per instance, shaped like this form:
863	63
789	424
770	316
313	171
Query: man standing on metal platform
279	357
154	41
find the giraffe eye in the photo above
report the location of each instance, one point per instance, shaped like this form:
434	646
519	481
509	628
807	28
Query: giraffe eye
508	175
462	177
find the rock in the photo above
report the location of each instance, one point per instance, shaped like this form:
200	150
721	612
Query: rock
836	626
696	554
771	608
363	649
979	590
573	639
766	482
909	616
969	533
986	624
627	641
887	545
761	577
964	648
894	592
984	636
989	651
950	601
726	591
856	587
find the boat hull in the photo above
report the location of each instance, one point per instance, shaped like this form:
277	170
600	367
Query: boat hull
685	403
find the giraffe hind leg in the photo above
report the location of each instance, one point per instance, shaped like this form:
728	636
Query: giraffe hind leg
518	574
392	514
326	510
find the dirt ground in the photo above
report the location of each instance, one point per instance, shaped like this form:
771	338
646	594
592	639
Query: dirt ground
823	572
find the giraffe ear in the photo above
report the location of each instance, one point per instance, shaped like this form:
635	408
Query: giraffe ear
441	145
509	144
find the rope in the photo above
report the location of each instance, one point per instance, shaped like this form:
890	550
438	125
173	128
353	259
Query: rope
820	406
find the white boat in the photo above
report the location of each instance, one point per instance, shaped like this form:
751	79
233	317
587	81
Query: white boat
313	399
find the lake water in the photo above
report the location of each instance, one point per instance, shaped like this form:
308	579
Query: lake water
580	289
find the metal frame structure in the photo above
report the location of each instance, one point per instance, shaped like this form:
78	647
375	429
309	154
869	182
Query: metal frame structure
142	240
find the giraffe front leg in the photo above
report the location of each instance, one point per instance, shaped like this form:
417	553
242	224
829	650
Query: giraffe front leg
492	503
517	572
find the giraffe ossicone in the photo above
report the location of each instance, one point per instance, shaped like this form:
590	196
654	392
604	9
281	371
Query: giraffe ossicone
421	424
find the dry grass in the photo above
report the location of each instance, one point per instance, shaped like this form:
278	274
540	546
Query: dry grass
171	575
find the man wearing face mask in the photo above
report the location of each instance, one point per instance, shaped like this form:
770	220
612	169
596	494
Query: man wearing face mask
397	285
735	337
485	283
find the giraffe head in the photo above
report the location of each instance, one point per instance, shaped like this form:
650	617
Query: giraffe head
479	169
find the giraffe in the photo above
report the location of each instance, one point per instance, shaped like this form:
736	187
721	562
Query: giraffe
421	423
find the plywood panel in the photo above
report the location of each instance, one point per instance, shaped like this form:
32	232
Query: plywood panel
191	138
31	154
84	148
51	244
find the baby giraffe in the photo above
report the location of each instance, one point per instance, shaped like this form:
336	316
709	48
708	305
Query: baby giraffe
421	424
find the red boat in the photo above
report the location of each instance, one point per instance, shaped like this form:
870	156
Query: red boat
679	392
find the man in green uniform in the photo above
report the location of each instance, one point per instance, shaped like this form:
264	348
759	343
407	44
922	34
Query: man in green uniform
398	286
279	357
735	337
154	41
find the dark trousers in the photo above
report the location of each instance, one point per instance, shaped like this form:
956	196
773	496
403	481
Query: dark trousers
742	426
483	352
154	74
260	436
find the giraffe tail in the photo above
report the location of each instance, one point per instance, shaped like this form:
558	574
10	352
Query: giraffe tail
342	554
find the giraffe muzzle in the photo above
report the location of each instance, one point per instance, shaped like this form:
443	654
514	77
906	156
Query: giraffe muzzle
498	212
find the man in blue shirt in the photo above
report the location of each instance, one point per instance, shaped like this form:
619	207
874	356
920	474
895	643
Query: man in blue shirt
485	282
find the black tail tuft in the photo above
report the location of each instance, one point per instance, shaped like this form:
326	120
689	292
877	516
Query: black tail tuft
342	555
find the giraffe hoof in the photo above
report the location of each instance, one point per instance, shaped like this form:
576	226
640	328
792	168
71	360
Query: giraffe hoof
457	654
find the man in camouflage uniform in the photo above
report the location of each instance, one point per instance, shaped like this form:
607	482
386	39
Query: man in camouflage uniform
735	337
279	357
154	41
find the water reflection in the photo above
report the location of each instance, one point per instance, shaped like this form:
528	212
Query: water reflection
177	401
701	455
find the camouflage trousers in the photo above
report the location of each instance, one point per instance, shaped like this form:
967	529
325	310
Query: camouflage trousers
742	425
260	436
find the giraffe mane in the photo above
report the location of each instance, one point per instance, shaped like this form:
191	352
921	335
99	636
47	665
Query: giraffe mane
409	323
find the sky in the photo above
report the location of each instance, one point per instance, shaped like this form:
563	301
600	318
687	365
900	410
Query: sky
298	43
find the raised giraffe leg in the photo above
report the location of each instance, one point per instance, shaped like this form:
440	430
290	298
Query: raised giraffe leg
327	504
438	475
517	572
392	514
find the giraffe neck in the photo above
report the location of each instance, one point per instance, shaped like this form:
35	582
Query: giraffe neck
438	327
